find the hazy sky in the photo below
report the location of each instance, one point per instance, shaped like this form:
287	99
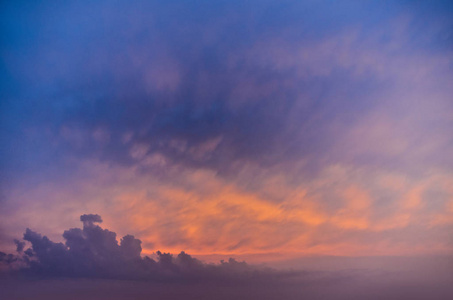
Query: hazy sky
263	130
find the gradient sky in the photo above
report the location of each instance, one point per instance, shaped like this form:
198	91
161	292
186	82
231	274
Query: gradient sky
256	129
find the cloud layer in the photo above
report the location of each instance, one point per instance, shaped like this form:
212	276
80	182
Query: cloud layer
94	252
230	127
93	265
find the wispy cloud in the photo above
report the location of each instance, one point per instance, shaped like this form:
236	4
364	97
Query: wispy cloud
232	127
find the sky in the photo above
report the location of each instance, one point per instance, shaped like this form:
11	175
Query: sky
287	134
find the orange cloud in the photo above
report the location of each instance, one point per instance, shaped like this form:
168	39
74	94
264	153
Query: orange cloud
205	214
356	212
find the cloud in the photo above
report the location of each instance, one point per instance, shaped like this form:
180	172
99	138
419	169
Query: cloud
89	220
222	90
19	245
424	279
94	252
265	99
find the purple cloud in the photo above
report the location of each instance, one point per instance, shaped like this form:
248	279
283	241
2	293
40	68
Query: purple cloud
94	252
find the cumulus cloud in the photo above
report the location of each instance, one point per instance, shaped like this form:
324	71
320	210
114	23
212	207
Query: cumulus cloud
88	220
94	252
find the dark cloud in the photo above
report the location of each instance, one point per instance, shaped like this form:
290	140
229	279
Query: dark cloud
19	245
94	252
91	264
179	80
88	220
337	285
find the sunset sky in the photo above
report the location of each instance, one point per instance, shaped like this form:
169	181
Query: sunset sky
267	131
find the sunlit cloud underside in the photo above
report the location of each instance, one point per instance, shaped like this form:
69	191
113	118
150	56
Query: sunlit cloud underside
279	130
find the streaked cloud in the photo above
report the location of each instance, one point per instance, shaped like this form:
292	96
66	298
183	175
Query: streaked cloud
291	128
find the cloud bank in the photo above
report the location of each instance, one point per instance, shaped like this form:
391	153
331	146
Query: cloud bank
94	252
288	127
91	264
